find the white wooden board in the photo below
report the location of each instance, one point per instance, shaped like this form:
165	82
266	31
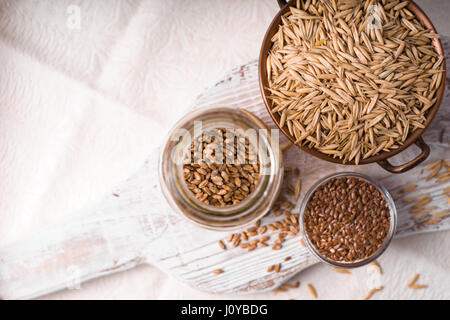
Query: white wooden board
133	224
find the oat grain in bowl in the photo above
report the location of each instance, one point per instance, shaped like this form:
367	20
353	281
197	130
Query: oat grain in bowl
348	220
353	78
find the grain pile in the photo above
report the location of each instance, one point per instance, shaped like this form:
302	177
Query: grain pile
352	78
347	219
221	168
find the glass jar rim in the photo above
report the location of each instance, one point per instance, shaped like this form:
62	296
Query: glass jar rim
263	200
387	240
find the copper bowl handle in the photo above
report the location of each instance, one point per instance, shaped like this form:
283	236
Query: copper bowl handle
411	164
282	3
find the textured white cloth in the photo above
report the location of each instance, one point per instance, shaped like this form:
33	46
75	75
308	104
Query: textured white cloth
80	108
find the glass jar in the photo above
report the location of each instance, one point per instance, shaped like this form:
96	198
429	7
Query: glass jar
256	205
387	240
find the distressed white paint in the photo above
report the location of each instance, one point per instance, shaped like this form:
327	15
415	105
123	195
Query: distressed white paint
119	233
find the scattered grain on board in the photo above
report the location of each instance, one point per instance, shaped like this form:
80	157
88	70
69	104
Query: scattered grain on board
433	173
417	209
287	286
341	270
441	213
432	221
422	197
302	242
408	188
298	186
277	267
413	279
420	215
419	286
262	229
412	283
222	245
312	291
371	292
377	267
421	203
276	247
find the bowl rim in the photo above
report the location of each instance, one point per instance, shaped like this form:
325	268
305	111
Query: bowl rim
411	139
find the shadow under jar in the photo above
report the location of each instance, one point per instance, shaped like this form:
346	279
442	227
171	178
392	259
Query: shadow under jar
177	189
347	219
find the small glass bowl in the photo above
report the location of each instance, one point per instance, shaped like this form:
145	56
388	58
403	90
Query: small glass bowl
389	236
182	200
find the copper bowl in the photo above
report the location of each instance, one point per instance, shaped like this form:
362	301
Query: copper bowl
381	158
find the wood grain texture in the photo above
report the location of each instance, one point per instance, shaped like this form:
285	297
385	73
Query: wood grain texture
134	225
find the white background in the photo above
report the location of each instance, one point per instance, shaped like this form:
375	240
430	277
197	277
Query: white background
80	108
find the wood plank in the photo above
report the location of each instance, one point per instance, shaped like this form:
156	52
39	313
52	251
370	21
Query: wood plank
137	226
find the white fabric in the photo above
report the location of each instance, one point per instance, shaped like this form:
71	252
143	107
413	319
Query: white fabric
80	108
